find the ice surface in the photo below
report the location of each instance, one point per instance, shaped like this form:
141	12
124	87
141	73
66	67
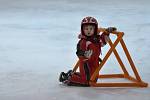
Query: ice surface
38	40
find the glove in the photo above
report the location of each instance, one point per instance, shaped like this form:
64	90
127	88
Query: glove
88	53
111	29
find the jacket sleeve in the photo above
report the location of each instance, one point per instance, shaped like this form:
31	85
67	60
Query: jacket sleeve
81	48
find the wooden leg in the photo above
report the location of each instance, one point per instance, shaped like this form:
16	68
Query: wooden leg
119	59
130	60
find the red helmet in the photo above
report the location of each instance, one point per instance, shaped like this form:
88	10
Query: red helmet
89	20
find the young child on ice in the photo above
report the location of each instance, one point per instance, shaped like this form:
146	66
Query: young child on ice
88	52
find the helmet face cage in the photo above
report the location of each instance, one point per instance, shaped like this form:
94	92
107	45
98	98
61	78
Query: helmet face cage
89	21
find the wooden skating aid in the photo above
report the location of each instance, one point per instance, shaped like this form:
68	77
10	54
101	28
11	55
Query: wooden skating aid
135	81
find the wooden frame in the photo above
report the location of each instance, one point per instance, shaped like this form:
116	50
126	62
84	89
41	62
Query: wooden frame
135	82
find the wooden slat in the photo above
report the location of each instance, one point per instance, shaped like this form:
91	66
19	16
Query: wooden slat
106	57
118	59
130	60
111	76
119	84
76	66
132	79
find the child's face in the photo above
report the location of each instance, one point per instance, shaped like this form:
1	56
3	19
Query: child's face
88	30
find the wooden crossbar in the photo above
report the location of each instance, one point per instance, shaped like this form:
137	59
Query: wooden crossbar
111	76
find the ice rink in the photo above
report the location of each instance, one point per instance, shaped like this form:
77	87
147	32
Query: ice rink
38	40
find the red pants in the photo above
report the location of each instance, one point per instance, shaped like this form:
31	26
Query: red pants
86	70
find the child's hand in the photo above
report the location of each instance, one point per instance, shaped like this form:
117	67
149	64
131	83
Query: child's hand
111	29
88	54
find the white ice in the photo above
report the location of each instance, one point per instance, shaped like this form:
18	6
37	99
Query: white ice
38	40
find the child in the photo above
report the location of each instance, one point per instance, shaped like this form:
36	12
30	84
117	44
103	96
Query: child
88	52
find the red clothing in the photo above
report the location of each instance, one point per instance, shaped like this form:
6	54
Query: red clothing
88	66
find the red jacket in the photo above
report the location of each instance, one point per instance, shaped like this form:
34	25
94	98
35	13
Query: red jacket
88	66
